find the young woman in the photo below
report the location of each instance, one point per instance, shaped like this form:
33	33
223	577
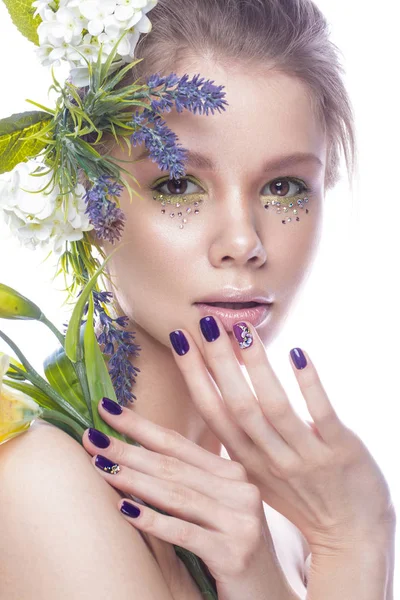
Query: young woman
301	508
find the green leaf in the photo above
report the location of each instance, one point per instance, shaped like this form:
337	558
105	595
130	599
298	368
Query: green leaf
99	380
21	13
113	81
106	67
62	377
72	339
14	150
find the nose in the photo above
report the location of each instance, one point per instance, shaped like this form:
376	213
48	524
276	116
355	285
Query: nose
237	238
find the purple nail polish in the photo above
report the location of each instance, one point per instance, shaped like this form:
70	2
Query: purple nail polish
243	335
130	510
298	358
209	328
110	406
98	438
105	464
179	342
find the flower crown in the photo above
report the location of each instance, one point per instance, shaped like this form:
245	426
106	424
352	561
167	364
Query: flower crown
44	153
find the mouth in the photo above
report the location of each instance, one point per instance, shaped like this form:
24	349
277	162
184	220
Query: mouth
234	305
231	312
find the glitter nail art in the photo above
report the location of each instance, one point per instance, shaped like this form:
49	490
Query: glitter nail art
243	335
105	464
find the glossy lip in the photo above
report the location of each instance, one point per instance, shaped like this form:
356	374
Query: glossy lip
236	295
229	316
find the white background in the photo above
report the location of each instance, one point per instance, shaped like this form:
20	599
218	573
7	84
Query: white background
348	316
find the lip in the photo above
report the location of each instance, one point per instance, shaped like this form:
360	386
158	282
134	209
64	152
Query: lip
229	316
229	294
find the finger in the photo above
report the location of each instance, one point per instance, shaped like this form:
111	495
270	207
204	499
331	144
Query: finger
169	442
271	395
207	398
233	493
273	424
171	529
175	499
328	424
236	420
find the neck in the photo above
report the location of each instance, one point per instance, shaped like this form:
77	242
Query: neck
162	395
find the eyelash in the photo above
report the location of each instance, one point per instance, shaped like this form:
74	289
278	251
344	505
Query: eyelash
188	198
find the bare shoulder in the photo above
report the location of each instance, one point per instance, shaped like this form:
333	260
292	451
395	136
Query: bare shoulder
61	534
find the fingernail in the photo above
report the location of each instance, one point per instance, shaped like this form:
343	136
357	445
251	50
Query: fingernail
98	438
298	358
105	464
179	342
209	328
110	406
243	335
130	510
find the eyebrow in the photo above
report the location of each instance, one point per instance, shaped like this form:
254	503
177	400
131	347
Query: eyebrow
198	160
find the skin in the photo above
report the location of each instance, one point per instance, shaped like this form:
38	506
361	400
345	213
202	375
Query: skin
163	270
320	477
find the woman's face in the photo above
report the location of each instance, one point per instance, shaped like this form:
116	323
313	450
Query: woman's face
233	242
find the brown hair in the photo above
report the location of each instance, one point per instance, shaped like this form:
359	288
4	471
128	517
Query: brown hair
290	36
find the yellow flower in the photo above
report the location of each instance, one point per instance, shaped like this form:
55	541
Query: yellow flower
17	410
14	305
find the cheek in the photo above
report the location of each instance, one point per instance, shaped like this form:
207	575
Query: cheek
151	266
292	250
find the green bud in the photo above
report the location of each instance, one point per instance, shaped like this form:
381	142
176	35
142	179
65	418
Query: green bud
15	306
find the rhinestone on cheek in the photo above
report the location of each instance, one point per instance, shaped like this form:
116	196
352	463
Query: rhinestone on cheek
181	202
277	204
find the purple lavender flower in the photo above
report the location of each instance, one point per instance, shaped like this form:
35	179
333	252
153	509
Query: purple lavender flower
107	219
196	95
162	143
119	345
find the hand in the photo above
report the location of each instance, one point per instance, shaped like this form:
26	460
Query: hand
319	475
215	512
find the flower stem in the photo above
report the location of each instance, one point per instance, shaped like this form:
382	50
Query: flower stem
54	415
43	319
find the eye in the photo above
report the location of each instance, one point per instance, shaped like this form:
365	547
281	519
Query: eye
177	187
182	188
281	187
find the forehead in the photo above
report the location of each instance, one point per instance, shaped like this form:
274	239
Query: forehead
269	114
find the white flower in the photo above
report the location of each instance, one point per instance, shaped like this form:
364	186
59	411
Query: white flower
71	21
88	48
69	27
150	5
80	76
42	6
109	40
97	12
40	219
20	193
